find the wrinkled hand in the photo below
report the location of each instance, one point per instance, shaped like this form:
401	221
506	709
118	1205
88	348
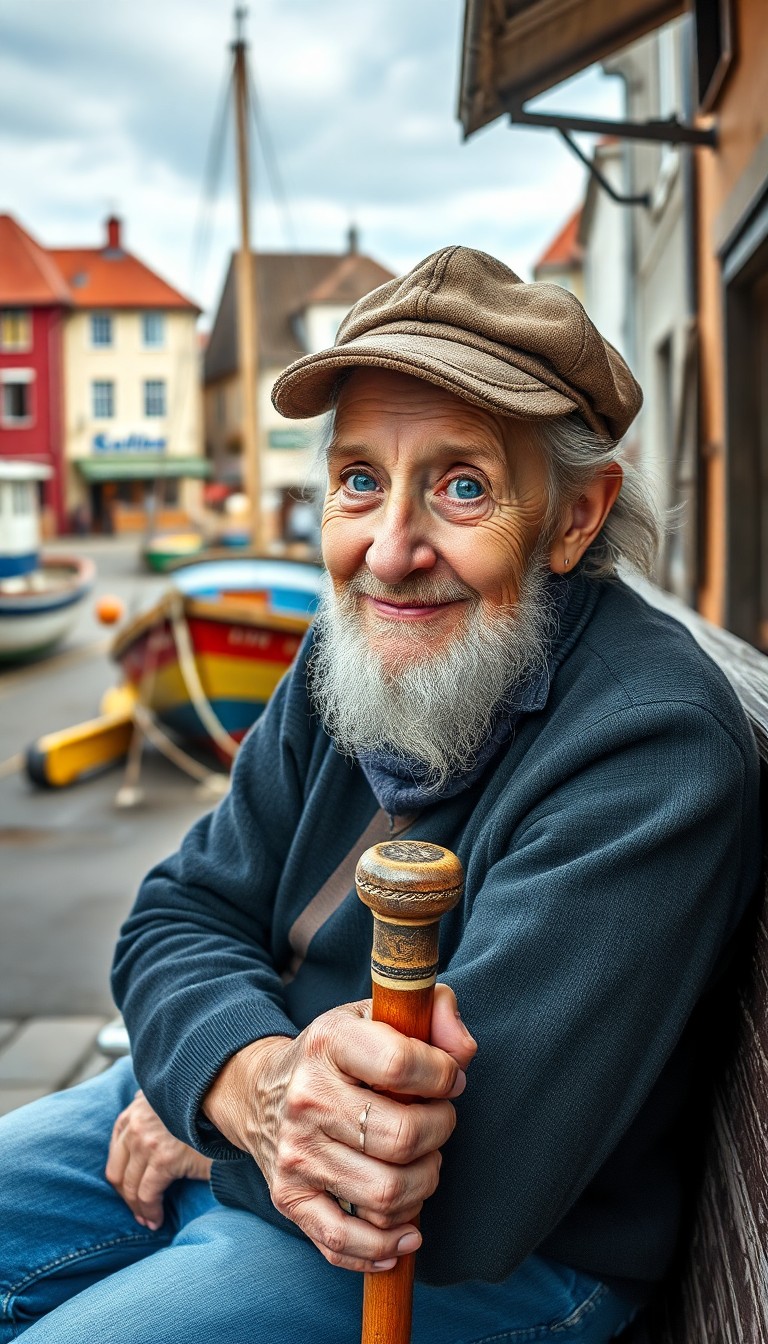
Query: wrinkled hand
144	1158
295	1106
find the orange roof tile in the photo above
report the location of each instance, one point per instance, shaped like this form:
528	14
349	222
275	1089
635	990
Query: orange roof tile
112	278
565	249
28	274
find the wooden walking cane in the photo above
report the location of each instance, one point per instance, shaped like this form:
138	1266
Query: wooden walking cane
408	885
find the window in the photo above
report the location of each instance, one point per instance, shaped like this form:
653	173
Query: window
22	497
15	330
16	407
154	397
101	329
153	330
103	399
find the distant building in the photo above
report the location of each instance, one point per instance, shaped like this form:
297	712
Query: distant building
302	299
131	374
99	367
562	261
34	301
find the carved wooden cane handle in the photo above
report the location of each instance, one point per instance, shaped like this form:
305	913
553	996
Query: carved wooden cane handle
408	884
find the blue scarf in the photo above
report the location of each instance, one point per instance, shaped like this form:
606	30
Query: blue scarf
401	785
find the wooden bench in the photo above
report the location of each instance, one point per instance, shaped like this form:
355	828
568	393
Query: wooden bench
718	1290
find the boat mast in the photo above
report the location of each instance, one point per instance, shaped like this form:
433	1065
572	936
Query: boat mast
247	325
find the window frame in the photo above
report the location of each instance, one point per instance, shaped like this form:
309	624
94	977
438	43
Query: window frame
24	316
102	384
18	378
158	316
102	317
154	383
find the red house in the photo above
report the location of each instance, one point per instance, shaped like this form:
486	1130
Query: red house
33	302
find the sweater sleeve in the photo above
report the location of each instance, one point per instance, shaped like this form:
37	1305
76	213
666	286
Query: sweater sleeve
192	973
593	931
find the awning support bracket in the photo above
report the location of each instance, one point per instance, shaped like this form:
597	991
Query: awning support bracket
644	198
669	131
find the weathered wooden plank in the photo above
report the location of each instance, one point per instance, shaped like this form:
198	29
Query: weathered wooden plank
721	1294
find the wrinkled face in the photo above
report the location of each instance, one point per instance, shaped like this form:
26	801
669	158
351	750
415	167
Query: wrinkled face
434	506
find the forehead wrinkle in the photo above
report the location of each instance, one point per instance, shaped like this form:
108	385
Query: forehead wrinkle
434	449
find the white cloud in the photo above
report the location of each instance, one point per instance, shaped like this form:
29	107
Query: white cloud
110	106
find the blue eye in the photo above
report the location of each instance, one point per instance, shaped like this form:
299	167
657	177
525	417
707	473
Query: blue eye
360	483
464	487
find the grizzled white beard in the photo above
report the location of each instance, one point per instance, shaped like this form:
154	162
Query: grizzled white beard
438	707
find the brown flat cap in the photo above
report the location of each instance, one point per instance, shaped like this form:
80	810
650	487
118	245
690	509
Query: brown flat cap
465	321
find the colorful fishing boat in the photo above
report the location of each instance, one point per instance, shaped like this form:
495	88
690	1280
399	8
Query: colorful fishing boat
205	658
163	551
40	596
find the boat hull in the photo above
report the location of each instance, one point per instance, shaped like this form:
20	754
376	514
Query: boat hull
242	623
38	610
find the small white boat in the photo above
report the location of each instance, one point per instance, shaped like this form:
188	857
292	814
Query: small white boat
40	596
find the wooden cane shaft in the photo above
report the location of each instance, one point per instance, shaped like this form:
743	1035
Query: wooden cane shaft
408	885
388	1297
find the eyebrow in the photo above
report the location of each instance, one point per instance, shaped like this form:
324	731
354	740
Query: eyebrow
437	448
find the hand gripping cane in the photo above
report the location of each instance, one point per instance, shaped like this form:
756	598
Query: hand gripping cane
408	885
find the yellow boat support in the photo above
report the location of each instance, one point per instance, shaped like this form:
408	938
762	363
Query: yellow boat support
74	754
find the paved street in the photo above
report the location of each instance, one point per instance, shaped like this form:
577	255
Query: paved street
70	861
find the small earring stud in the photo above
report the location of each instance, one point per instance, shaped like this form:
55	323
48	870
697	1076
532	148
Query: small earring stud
567	561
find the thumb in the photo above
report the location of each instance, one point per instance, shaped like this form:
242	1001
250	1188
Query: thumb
448	1032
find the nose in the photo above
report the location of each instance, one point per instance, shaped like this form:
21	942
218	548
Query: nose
400	544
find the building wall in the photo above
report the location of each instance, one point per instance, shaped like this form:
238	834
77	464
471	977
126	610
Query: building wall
655	301
222	412
606	258
41	439
567	277
127	364
742	117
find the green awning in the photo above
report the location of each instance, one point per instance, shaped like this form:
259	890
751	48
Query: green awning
141	467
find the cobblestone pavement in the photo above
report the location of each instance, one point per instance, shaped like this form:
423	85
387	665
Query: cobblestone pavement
43	1054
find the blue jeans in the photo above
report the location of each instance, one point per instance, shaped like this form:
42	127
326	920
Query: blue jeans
75	1266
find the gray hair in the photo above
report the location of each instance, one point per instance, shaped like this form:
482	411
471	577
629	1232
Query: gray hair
574	454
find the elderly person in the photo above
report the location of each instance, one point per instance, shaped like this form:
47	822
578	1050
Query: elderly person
478	676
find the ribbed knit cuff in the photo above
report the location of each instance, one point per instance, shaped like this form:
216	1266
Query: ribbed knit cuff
202	1054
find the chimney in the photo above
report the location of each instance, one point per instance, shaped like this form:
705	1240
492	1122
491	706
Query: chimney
353	239
113	233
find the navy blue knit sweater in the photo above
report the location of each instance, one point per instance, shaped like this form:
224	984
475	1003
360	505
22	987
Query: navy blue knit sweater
610	849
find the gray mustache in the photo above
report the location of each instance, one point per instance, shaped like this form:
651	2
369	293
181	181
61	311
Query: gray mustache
426	592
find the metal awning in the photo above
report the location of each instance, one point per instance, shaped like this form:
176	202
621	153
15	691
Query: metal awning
515	49
141	467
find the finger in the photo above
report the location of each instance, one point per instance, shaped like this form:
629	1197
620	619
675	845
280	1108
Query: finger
376	1054
351	1243
389	1192
448	1032
117	1159
381	1127
151	1188
129	1188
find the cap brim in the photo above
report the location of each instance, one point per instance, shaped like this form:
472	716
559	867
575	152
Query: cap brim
306	388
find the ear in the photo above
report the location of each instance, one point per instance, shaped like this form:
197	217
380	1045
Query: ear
583	519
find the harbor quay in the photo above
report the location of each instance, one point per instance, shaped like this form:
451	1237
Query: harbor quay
71	859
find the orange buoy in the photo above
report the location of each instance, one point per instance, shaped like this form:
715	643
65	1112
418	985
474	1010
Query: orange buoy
109	609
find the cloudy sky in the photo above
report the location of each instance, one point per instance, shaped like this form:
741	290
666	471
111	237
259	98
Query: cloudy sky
112	106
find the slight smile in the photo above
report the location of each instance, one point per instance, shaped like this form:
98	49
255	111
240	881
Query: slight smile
409	611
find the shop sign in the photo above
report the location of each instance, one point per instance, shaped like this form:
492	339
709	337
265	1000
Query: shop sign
289	438
128	443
